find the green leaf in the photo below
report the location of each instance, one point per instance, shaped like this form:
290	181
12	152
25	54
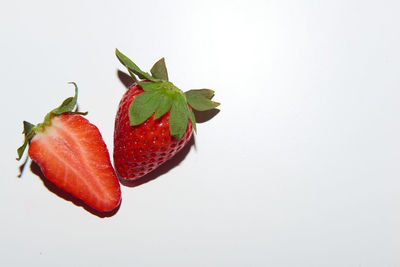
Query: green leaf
29	131
68	104
27	127
150	86
207	93
143	106
80	113
133	67
164	106
132	75
159	70
200	99
178	118
21	149
192	119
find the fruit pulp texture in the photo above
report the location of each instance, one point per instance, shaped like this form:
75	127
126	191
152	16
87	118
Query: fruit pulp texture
140	149
72	154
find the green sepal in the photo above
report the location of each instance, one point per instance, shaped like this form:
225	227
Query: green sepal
132	75
30	129
200	99
178	117
21	149
161	96
192	119
68	104
164	106
150	86
207	93
143	106
79	113
159	70
160	102
29	132
27	127
133	67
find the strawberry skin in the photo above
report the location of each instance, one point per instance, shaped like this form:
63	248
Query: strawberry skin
72	154
155	119
140	149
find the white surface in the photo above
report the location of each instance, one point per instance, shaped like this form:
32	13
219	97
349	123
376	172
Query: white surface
300	167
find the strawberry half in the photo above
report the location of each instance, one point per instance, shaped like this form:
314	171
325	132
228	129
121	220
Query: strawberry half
154	120
72	154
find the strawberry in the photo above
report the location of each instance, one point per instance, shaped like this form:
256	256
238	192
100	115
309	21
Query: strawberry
154	121
72	154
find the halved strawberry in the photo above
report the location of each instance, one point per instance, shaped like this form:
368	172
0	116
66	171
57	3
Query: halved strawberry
154	119
72	154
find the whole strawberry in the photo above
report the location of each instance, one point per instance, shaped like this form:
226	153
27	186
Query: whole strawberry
72	154
154	119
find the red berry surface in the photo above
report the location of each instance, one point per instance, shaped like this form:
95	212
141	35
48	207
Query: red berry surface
140	149
155	119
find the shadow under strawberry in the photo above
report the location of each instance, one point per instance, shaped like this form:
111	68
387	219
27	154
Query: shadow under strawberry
204	116
67	196
125	78
162	169
22	167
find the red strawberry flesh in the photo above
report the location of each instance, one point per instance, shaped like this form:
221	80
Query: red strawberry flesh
72	154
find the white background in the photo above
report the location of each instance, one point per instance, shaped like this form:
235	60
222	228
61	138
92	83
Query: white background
299	168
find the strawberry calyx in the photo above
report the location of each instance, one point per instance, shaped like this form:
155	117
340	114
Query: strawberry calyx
30	130
161	96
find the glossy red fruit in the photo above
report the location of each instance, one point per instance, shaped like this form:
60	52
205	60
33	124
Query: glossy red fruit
154	119
140	149
72	154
